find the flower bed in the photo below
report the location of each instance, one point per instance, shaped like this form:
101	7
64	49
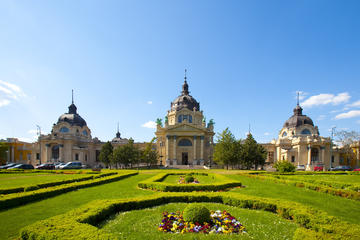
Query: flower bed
155	183
221	222
183	180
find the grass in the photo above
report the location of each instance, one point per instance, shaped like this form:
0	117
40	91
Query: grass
142	224
174	179
14	219
345	209
27	179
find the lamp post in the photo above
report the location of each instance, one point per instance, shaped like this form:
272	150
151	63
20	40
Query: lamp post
39	133
331	145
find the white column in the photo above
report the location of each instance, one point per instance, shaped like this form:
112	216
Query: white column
167	150
323	155
194	161
299	155
202	149
46	154
174	153
309	158
61	152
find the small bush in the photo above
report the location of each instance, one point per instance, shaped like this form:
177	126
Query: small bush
196	213
284	166
189	179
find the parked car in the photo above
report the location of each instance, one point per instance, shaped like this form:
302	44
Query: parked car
300	168
8	165
341	168
357	170
22	166
48	166
71	165
58	165
319	167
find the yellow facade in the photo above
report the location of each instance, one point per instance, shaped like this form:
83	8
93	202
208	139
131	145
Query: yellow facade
18	151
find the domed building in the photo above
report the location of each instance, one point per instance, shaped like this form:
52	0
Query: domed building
70	140
185	139
299	142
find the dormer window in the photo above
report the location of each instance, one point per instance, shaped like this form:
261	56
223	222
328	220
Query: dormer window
306	132
85	133
284	134
64	130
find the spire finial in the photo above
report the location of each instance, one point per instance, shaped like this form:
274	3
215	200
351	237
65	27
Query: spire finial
72	96
118	127
185	87
118	132
249	129
185	75
298	97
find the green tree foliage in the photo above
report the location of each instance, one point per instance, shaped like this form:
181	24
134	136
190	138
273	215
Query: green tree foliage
149	155
106	154
227	149
284	166
126	155
237	153
252	153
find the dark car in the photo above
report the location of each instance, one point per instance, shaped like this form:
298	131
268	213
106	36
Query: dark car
22	166
341	168
48	166
9	165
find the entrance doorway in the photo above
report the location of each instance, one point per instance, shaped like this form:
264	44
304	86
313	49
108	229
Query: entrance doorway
185	158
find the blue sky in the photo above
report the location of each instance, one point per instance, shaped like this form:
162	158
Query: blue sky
125	61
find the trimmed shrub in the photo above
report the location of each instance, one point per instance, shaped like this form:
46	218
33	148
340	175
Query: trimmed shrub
284	166
189	179
196	213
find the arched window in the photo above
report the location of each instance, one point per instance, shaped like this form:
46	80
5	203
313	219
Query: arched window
85	132
306	131
284	134
185	143
55	152
64	130
180	118
190	119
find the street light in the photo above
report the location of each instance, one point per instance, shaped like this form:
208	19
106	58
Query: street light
39	133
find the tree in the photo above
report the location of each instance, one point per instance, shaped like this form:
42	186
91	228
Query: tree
284	166
149	155
226	149
127	155
252	153
347	139
106	154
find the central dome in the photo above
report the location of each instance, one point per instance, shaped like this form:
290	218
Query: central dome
185	100
298	119
72	117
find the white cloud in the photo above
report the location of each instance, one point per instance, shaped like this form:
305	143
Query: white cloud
32	131
266	134
25	139
350	114
321	117
355	104
4	102
326	98
149	124
9	91
149	102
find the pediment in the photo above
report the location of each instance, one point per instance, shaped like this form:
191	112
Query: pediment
185	128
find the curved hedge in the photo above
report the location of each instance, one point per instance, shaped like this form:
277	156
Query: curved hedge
312	186
16	199
52	184
80	223
154	183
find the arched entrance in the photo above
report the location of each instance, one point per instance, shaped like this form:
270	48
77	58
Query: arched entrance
314	155
55	153
185	158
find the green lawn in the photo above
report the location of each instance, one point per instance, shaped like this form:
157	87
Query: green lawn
201	178
348	210
142	224
14	219
26	179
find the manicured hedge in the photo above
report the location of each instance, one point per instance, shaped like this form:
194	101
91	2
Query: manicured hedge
16	199
52	184
80	223
155	183
312	186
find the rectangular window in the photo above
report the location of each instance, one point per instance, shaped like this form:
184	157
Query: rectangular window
333	159
190	119
292	158
86	157
29	156
37	156
97	153
77	157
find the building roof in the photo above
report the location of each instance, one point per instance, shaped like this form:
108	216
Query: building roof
72	117
298	119
185	100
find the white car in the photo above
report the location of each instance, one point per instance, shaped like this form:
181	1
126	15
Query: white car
300	168
71	165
